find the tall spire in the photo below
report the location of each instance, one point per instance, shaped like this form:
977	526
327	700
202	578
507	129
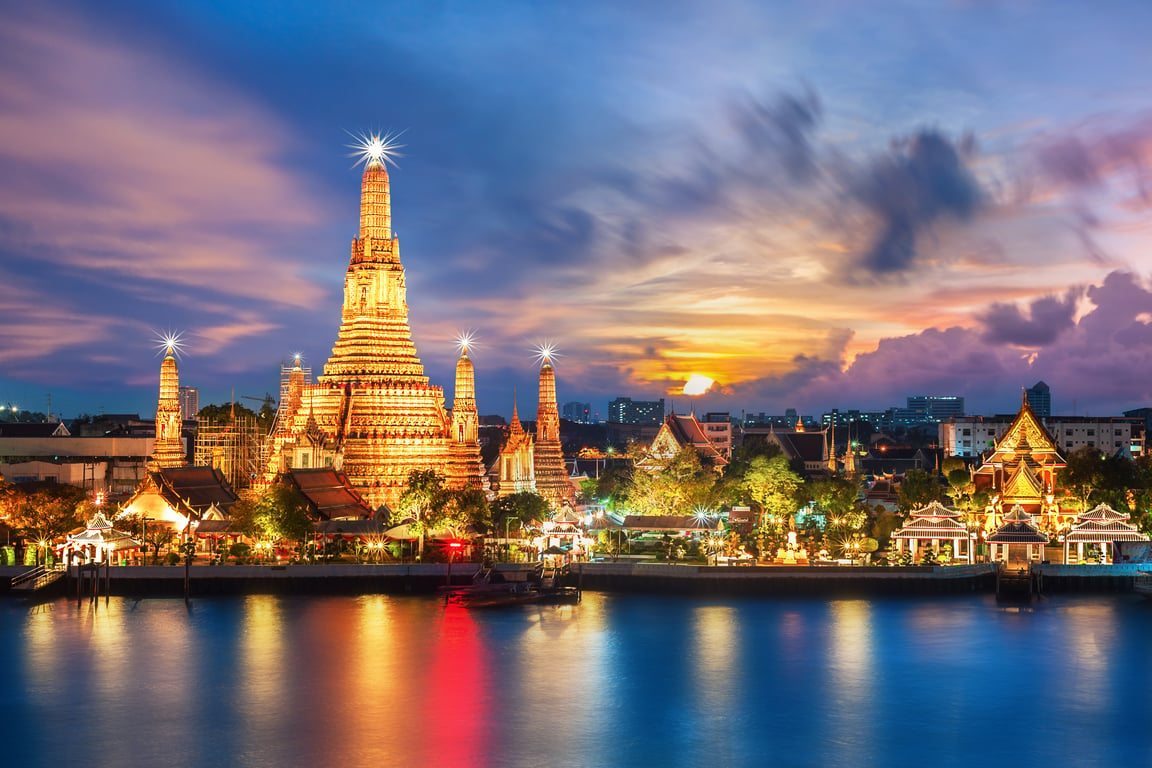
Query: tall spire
375	202
167	450
551	472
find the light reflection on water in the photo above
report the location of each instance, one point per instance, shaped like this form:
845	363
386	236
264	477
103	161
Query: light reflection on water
616	680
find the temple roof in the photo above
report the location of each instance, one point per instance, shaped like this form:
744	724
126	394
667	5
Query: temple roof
328	493
1103	512
101	533
1018	528
194	488
934	521
679	432
1096	531
1025	439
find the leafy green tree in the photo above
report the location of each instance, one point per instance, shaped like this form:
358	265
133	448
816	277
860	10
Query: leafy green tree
47	514
457	511
530	509
918	489
613	484
836	496
1081	475
675	487
276	513
424	490
771	484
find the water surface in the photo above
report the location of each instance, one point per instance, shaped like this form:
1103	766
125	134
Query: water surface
619	680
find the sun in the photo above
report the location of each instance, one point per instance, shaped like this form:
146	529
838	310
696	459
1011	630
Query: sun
697	384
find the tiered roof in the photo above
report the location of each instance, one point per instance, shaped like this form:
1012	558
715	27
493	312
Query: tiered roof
934	521
1018	528
99	532
329	494
1103	523
679	432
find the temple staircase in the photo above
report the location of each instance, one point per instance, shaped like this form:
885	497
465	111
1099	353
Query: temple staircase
36	578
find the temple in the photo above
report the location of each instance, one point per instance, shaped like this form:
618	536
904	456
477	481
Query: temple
548	461
372	414
1022	472
168	449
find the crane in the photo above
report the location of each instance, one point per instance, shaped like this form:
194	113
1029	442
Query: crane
267	400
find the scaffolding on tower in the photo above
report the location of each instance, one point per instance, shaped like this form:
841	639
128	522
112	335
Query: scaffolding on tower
234	445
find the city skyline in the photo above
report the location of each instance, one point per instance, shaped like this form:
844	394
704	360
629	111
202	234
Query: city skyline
814	206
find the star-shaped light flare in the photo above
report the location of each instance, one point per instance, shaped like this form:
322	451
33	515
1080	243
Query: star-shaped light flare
546	352
466	341
297	359
171	343
375	148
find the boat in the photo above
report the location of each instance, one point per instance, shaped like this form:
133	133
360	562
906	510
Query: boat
491	589
1142	584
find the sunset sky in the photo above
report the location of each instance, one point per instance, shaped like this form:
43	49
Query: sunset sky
816	204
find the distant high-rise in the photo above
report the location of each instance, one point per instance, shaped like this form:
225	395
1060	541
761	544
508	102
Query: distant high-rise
936	407
1040	398
581	413
625	410
190	402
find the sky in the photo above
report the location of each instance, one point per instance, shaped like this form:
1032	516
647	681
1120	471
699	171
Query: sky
814	204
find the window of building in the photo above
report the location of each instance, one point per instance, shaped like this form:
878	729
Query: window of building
1067	433
1091	433
1091	443
967	432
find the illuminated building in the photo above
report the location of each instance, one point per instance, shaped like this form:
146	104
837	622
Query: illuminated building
516	464
168	449
678	433
625	410
373	414
1022	471
190	403
548	462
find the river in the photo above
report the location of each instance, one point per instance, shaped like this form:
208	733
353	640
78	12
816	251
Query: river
618	680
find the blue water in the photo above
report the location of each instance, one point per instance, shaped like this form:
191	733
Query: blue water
615	681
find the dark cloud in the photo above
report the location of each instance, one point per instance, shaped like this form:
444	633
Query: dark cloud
1046	319
1067	160
922	179
782	129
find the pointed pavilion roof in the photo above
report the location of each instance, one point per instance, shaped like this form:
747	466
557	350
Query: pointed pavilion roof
1025	432
1018	528
934	521
99	531
1102	523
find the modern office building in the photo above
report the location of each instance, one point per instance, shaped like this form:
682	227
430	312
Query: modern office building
190	403
581	413
936	407
1040	398
973	435
625	410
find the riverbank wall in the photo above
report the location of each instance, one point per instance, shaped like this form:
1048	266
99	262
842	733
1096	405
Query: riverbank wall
639	577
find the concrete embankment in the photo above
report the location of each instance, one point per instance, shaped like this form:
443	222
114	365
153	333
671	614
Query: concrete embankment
784	580
646	577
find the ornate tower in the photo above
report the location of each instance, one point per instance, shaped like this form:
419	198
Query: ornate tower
551	472
167	450
373	409
515	465
466	461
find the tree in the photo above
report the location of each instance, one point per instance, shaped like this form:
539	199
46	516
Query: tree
526	507
276	513
674	487
1081	475
837	497
424	490
919	489
458	510
771	483
46	514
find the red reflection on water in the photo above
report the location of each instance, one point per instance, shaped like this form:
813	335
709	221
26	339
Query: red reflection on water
455	705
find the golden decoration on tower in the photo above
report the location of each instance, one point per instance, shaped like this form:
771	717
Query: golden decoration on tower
373	414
